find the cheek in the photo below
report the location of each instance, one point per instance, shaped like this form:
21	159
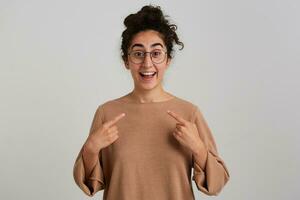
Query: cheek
134	70
161	72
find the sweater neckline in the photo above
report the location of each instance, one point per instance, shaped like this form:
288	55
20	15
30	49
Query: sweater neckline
149	103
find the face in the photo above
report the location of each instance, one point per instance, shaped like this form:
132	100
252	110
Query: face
147	41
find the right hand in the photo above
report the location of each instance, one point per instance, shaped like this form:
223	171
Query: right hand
104	136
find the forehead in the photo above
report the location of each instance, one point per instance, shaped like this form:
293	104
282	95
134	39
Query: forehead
147	39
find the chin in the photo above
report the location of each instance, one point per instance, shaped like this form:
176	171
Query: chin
149	86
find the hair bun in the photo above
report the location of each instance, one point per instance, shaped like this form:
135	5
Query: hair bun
147	15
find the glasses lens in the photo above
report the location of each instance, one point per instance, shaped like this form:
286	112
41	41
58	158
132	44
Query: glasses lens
137	57
157	56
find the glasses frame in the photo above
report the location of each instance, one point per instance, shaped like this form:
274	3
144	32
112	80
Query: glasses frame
145	54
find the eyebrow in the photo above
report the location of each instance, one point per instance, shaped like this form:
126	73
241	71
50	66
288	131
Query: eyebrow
140	45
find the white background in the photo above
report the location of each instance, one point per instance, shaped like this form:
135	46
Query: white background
60	59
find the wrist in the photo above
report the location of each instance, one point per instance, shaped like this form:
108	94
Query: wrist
199	152
200	156
199	149
90	147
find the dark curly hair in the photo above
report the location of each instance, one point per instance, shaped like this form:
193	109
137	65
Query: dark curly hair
149	18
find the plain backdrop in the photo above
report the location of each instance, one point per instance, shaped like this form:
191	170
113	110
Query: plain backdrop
60	59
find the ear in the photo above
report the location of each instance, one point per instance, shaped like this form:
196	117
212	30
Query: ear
126	64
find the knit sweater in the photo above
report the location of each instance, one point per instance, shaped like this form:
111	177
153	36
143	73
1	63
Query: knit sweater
146	162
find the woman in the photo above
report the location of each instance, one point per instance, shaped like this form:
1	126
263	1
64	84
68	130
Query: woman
144	144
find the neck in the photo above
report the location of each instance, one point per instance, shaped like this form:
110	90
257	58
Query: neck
146	96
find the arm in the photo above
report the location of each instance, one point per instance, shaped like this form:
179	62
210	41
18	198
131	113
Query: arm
210	171
87	170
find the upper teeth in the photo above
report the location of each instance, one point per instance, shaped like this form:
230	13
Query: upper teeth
147	73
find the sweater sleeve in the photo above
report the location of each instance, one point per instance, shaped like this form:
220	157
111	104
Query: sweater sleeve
94	182
215	174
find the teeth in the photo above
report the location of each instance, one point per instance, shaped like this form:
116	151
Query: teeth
148	73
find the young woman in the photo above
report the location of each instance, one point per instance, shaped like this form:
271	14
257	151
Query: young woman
144	144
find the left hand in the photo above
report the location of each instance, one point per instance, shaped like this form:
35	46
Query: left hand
186	133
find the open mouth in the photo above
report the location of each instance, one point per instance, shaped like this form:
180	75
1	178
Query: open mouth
147	76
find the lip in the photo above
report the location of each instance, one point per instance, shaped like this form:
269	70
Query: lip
147	71
150	79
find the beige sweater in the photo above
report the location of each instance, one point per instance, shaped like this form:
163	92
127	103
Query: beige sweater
146	162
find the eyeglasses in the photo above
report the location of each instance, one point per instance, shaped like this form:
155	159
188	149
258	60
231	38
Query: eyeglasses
157	56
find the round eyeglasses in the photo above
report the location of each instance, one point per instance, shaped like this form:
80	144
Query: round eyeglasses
138	56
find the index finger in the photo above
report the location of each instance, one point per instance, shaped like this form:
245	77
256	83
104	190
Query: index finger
177	117
115	120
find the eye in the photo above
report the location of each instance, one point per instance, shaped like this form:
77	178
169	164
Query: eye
156	53
138	53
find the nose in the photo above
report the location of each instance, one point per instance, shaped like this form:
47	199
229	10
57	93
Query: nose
147	60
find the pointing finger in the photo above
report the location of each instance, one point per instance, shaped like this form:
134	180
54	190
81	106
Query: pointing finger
115	120
177	117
